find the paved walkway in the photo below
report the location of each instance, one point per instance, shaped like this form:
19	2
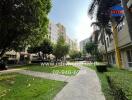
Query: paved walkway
40	74
9	71
45	75
85	86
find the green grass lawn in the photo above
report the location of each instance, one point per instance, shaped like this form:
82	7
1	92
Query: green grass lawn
21	87
63	70
121	82
104	83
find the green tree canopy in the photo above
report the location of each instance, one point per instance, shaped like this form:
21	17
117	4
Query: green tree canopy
75	54
103	10
22	22
46	48
61	49
92	49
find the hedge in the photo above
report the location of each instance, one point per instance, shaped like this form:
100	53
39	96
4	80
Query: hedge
121	84
101	68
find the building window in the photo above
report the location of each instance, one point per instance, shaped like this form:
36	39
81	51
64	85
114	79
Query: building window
113	58
120	26
110	60
107	42
129	57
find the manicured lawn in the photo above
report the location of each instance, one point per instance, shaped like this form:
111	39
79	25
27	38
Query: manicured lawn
116	84
104	83
64	70
21	87
121	84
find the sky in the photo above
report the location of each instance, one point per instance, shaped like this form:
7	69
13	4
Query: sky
73	15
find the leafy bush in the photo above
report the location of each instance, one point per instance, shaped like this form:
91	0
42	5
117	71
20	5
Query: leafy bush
101	68
75	55
121	84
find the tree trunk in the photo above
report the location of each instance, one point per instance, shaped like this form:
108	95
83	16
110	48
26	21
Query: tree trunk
55	62
2	53
65	60
43	58
49	60
105	47
92	58
40	56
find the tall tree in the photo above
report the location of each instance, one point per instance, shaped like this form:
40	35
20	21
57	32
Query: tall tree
61	49
44	49
103	16
75	54
22	21
91	48
100	35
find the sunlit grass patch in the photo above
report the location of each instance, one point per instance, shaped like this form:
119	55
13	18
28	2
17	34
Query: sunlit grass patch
63	70
21	87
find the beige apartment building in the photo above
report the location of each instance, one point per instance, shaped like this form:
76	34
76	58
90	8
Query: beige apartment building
124	39
58	29
124	44
61	30
54	31
72	43
14	57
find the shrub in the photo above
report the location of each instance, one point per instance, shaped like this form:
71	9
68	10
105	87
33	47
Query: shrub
121	84
101	68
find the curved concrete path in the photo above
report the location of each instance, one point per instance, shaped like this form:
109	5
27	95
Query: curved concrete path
84	86
45	75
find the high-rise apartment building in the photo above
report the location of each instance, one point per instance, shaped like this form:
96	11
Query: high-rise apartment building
58	29
53	32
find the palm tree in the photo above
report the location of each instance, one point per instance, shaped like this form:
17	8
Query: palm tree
103	17
100	33
103	10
